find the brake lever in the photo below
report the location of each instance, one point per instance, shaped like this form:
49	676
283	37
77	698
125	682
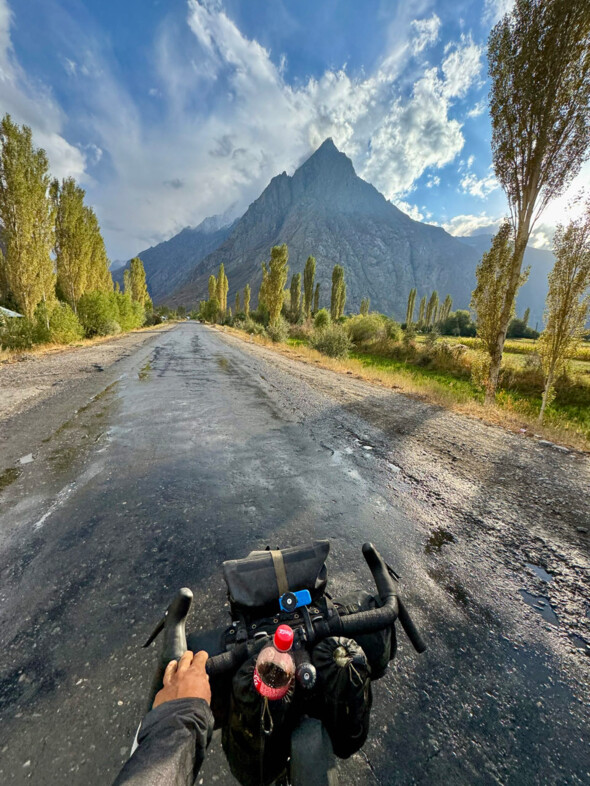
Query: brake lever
156	631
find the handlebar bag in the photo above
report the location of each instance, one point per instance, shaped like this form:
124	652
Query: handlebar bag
256	739
344	682
380	646
256	582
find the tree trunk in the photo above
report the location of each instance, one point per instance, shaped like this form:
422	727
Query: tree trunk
548	385
520	245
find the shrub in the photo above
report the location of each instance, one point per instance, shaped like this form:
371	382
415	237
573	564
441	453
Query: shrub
302	332
17	333
278	331
365	328
128	313
261	315
64	325
249	326
209	310
97	311
322	319
332	341
393	330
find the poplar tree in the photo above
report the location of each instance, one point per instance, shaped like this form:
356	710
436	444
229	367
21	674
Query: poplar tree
410	308
338	298
445	309
212	287
222	288
526	317
488	301
247	300
365	306
27	218
276	278
308	279
539	64
135	284
262	292
567	304
316	299
295	292
73	240
422	312
432	309
237	303
99	275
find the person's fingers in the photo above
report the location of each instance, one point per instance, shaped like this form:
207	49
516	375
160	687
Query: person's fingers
170	669
200	660
185	661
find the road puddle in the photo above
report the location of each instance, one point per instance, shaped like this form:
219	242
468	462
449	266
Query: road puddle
223	363
541	605
145	371
539	572
437	540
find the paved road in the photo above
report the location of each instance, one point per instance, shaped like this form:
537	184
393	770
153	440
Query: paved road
198	451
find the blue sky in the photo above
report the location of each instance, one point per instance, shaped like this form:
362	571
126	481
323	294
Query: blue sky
168	111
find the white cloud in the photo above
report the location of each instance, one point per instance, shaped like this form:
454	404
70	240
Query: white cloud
462	67
478	187
425	32
30	104
479	108
410	210
433	181
494	10
471	225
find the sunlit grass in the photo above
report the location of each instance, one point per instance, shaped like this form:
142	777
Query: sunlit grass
566	423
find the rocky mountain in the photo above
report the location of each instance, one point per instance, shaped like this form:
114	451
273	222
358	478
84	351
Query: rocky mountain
168	264
532	294
325	210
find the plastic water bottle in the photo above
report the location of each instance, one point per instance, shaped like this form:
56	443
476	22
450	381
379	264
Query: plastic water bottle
275	667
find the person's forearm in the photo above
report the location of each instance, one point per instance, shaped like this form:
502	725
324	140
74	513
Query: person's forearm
171	745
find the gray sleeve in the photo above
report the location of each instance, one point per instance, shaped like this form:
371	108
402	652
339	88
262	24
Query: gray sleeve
171	745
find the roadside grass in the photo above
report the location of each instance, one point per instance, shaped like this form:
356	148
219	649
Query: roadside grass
567	421
39	350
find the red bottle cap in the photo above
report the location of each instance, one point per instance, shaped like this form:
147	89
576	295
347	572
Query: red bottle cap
283	639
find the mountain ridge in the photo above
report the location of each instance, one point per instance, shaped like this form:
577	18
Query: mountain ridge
325	210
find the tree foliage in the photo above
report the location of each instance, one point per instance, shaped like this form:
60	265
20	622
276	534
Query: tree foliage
27	218
222	289
365	306
568	301
338	297
422	312
316	299
539	64
275	274
308	279
247	299
432	310
73	244
410	308
488	301
295	297
137	290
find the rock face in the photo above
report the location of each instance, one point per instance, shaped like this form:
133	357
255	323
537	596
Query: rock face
168	264
325	210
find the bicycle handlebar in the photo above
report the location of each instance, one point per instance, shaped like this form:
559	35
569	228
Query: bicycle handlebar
370	621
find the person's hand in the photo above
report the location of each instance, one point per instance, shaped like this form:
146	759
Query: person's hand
185	679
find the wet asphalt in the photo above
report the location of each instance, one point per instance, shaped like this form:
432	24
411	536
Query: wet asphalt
194	451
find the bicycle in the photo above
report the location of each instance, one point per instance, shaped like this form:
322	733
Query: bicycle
311	761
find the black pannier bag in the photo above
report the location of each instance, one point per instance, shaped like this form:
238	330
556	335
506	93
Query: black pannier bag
256	582
379	647
256	740
344	689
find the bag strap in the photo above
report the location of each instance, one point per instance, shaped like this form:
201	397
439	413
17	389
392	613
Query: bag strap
280	572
